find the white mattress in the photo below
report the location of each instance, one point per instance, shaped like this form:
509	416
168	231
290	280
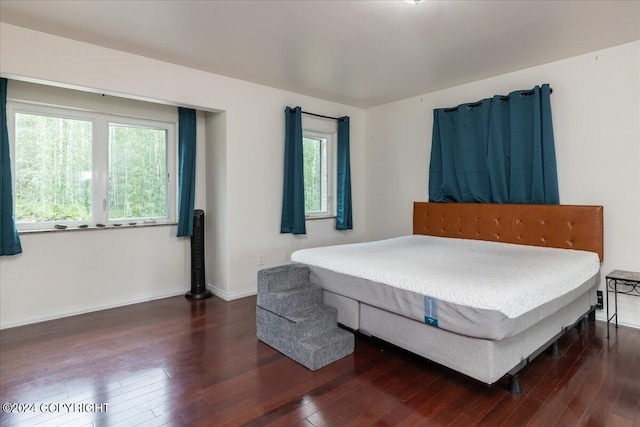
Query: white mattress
511	279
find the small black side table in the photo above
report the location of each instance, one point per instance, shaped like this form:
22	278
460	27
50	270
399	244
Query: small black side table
621	282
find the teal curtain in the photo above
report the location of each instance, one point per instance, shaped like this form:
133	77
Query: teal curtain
497	150
343	207
186	169
293	220
9	239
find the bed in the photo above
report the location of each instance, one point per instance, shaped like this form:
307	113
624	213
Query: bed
479	288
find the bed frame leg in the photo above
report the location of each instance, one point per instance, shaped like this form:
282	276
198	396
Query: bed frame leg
581	325
514	384
553	349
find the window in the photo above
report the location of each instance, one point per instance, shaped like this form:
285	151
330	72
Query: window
316	148
76	167
137	172
53	165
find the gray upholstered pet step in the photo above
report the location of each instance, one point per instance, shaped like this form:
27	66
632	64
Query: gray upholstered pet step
298	325
291	318
313	351
290	300
282	278
321	350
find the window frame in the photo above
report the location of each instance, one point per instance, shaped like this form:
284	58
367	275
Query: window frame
172	187
329	171
99	160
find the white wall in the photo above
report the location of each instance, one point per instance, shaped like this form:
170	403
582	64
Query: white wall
246	202
239	179
216	242
596	115
66	273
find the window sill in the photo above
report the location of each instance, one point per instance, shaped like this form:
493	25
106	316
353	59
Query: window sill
94	228
313	218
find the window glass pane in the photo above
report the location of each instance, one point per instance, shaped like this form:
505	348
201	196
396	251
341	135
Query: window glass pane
137	172
315	174
53	169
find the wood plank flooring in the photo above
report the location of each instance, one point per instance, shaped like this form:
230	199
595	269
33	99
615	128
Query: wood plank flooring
177	362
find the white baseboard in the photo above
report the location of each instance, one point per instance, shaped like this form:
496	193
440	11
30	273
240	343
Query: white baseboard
602	315
98	307
228	296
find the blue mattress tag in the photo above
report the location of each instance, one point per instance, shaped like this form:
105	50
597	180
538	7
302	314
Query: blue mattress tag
431	311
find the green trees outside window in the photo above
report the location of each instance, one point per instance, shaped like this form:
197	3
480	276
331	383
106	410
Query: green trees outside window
53	160
137	172
316	194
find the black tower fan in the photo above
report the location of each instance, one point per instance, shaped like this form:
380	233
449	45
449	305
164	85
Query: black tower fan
198	286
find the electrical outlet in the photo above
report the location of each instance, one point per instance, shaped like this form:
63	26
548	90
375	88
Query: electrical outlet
260	259
286	256
600	304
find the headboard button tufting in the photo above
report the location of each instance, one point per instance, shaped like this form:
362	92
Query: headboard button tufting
562	226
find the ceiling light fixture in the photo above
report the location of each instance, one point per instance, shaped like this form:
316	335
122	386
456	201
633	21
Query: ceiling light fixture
414	1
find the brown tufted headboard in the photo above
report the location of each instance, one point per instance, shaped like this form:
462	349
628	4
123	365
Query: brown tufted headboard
556	226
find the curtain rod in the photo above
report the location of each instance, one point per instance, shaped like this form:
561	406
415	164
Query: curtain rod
502	98
340	119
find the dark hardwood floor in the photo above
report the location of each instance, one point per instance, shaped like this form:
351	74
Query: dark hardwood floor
176	362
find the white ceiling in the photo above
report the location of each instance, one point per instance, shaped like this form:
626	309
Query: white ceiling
360	53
